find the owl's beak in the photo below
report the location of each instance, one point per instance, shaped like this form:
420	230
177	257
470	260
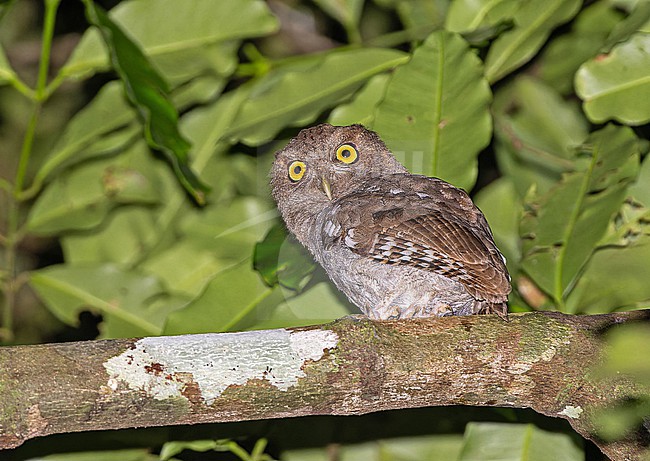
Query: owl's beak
326	187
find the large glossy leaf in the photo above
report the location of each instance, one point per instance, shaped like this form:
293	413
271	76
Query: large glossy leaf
229	297
588	33
616	85
468	15
230	229
537	133
122	298
76	200
186	267
148	91
320	303
105	126
347	12
562	228
204	127
534	22
421	15
637	21
121	238
502	207
628	353
297	93
362	107
435	116
598	292
424	448
80	198
516	442
167	27
210	241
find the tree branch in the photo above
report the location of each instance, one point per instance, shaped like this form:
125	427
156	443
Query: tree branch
349	367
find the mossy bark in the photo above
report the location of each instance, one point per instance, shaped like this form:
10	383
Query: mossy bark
542	361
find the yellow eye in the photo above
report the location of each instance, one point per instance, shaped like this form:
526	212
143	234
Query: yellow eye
297	170
347	153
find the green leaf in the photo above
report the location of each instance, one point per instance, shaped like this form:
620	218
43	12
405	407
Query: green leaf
470	15
516	442
80	198
502	207
229	297
149	93
171	32
320	303
149	234
297	93
612	85
632	222
628	353
421	448
435	116
121	238
347	12
589	31
186	267
282	261
537	133
421	14
230	229
361	108
76	200
640	190
637	21
597	292
103	127
171	449
561	229
534	22
122	298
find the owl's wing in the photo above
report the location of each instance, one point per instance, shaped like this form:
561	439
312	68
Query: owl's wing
405	231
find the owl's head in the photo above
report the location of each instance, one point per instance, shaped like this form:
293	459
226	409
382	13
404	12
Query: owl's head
324	163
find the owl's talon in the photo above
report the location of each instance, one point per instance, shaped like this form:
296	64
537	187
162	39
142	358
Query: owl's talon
356	317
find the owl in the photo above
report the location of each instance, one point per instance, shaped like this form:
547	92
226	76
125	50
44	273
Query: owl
398	245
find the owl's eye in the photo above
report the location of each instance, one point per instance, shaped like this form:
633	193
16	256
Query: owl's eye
347	153
297	170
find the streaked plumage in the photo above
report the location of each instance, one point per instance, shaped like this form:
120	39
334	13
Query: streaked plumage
397	244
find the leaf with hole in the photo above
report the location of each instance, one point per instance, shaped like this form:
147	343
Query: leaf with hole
561	229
